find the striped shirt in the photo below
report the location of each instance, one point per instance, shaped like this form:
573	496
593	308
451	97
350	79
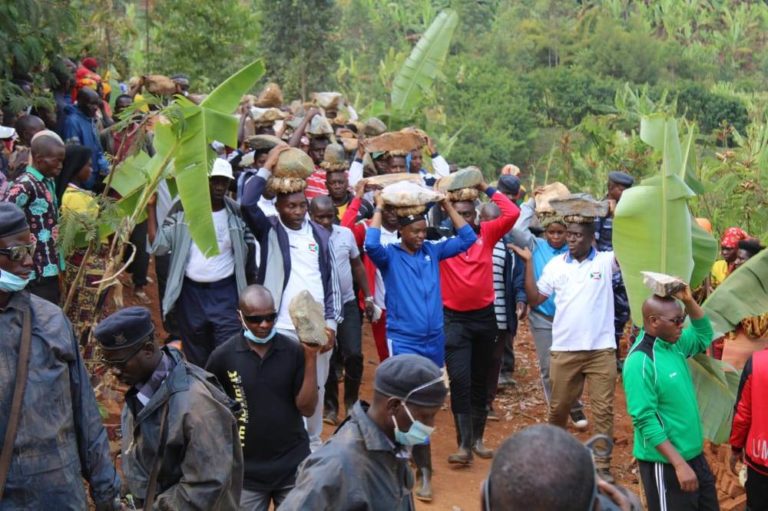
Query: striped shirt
499	286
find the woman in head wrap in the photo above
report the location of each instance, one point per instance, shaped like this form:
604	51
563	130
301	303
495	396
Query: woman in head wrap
751	334
729	246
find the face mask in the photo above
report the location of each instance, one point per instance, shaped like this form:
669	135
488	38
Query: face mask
10	282
417	434
260	340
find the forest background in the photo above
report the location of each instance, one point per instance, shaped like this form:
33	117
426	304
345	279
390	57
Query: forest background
554	86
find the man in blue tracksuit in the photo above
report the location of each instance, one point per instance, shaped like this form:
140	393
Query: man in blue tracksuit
414	302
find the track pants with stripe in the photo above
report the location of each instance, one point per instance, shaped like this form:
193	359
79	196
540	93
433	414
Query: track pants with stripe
663	492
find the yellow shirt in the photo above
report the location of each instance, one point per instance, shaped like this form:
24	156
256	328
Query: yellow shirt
80	201
719	271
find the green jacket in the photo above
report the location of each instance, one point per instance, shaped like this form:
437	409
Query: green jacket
660	394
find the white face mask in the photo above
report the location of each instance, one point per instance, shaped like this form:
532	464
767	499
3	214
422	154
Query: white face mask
11	283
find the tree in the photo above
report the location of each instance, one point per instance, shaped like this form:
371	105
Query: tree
298	44
30	32
206	40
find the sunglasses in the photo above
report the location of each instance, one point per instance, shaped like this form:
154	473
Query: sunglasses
269	318
19	252
677	321
121	362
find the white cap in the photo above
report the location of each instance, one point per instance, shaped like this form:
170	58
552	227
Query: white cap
6	132
221	167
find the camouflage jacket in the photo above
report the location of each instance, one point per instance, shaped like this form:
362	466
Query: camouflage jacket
60	438
202	466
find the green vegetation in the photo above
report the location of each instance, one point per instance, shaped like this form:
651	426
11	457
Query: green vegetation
557	87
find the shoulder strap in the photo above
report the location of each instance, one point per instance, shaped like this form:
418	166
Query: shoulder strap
152	482
22	370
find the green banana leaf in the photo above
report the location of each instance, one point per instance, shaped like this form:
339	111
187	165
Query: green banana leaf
211	120
743	294
653	228
423	64
130	178
716	384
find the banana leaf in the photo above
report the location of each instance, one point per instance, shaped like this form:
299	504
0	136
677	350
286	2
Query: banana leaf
653	227
211	120
716	384
130	178
423	64
743	294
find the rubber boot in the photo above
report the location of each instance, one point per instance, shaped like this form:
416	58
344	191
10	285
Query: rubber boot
478	429
463	456
351	392
422	457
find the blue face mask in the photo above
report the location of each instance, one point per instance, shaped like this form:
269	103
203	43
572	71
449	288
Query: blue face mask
260	340
10	282
417	434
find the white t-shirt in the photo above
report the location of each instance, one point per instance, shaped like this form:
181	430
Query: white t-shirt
379	293
344	249
305	272
583	301
219	267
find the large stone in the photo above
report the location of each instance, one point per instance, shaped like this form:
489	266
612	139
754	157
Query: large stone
409	194
308	317
579	204
394	141
661	284
388	179
270	96
468	177
545	194
294	163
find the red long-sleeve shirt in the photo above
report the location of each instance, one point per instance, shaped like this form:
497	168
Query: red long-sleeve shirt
750	418
466	280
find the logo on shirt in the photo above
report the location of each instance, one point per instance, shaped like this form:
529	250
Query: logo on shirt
672	375
427	258
596	275
313	247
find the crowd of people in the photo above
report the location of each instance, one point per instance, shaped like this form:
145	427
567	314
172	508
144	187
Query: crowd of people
227	410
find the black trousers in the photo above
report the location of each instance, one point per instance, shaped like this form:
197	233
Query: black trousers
469	342
139	267
757	490
349	355
663	492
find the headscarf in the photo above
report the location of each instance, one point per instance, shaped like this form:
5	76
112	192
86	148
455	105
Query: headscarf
75	158
732	236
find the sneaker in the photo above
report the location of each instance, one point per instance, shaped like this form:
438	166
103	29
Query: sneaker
579	420
492	415
605	475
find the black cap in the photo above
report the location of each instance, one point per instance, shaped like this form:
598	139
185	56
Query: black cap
125	328
508	184
621	178
12	220
410	219
413	378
